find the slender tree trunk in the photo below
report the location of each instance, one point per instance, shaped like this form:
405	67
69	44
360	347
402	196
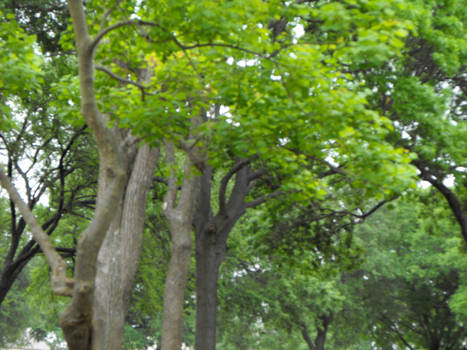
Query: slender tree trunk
306	336
180	216
174	292
119	255
320	338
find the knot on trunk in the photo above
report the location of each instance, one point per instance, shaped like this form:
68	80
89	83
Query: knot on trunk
212	229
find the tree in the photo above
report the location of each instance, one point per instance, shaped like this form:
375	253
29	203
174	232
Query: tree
282	281
423	93
113	174
412	268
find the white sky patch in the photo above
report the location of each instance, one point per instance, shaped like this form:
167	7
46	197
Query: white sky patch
331	160
247	63
405	135
449	181
225	110
298	31
275	77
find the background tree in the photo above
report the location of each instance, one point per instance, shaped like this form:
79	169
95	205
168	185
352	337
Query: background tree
423	93
412	269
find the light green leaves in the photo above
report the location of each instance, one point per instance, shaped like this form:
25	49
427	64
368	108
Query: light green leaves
19	67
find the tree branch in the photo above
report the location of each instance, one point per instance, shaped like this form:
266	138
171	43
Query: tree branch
61	284
107	30
170	196
225	180
372	210
106	139
263	199
120	79
451	198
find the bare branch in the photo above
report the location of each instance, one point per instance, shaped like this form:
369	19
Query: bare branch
107	13
105	137
229	46
107	30
372	210
120	79
452	199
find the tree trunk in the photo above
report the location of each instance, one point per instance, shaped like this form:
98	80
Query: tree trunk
209	257
9	275
322	325
180	217
306	336
119	255
174	291
211	234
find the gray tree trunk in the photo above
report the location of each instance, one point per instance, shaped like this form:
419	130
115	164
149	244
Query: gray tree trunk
120	253
179	215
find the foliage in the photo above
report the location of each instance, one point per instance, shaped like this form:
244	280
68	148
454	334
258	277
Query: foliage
332	99
270	302
14	316
412	269
290	93
18	64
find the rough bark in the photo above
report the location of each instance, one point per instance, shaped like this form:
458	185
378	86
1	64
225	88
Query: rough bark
81	325
179	215
119	255
76	321
209	257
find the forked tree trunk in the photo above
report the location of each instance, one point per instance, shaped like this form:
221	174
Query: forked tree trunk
211	234
322	325
120	253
